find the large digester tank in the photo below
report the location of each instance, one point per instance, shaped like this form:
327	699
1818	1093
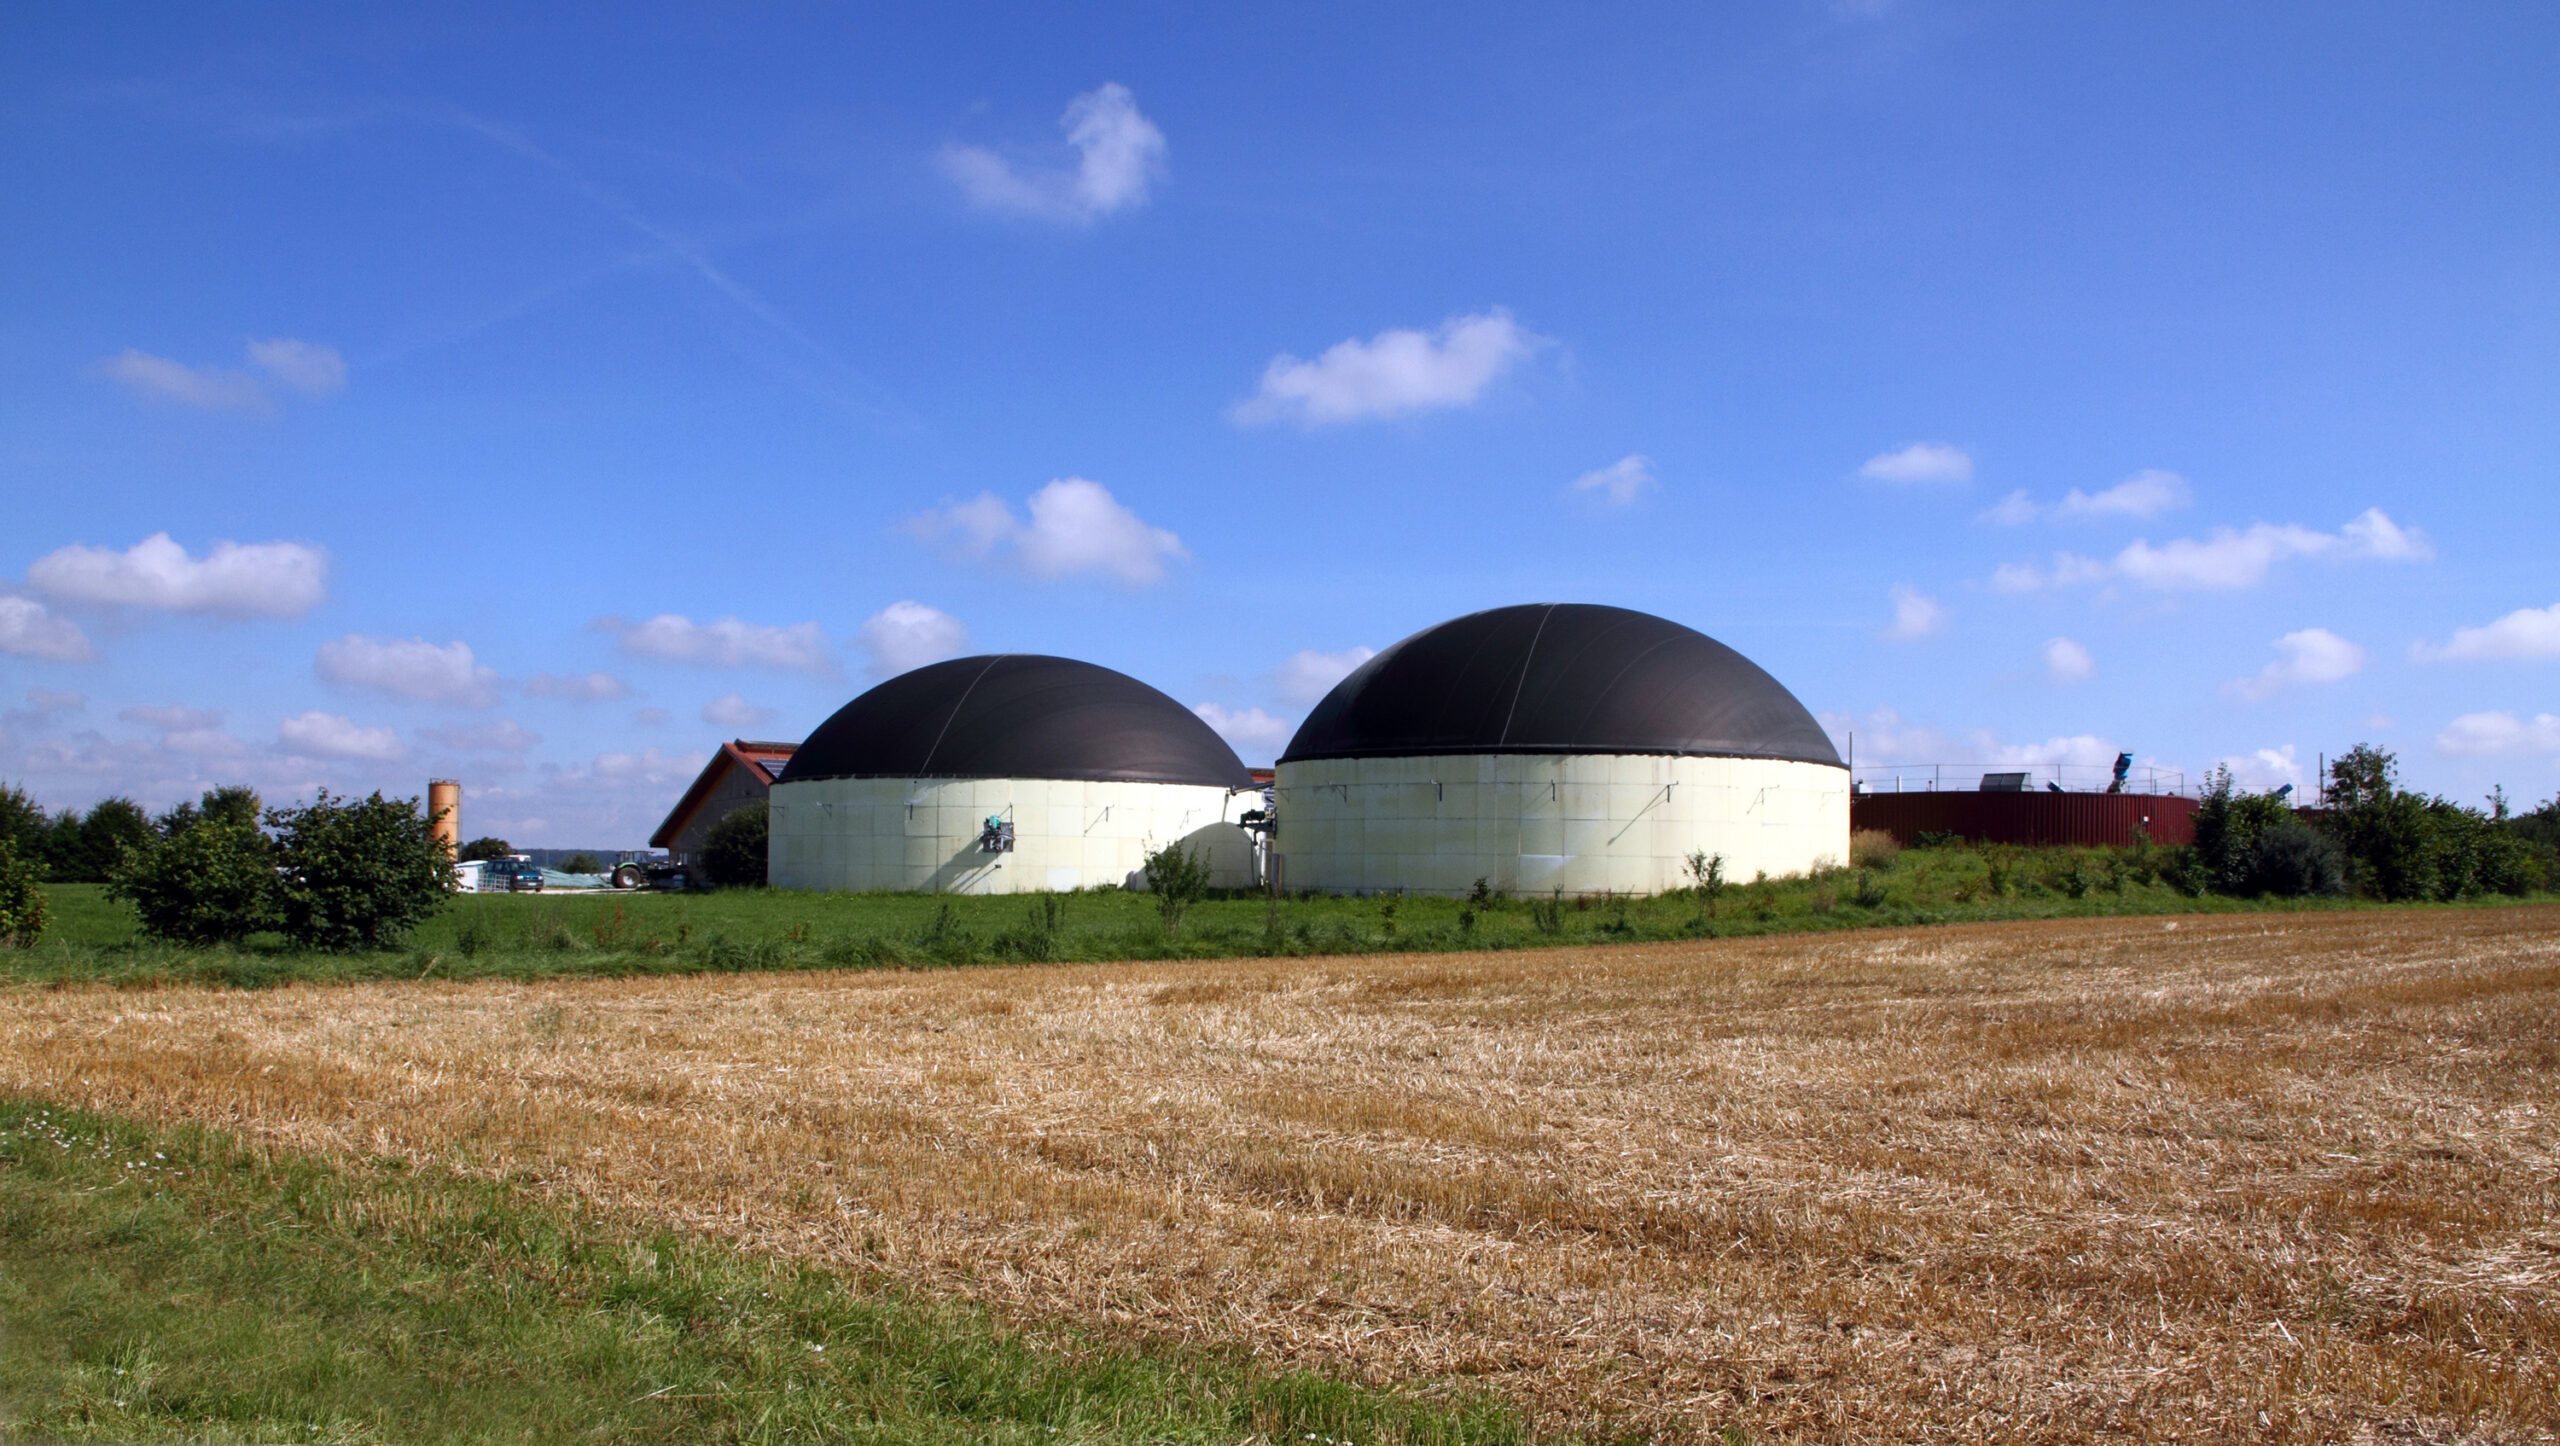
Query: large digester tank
1006	774
1556	746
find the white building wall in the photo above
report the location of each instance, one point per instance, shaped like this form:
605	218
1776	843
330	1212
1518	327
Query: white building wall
921	835
1531	823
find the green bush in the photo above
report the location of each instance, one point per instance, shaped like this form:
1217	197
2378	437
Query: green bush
2293	860
2228	826
21	902
734	853
2539	832
2403	845
22	825
357	873
1707	882
1037	940
1179	878
210	880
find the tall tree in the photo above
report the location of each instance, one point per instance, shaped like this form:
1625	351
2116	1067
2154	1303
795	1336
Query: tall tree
84	848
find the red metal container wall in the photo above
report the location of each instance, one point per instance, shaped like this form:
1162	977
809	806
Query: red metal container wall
2028	818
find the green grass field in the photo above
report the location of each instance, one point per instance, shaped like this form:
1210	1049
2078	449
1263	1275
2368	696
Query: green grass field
524	936
180	1286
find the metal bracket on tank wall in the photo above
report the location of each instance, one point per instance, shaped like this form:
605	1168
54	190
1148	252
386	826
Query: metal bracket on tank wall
1640	813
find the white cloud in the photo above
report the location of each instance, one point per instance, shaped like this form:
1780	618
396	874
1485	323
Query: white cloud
163	769
1251	731
2265	770
2370	534
2145	494
409	668
1916	615
1884	736
730	710
1120	153
2225	559
1921	462
2524	633
29	630
906	635
1621	482
2012	510
2016	577
2079	751
44	705
2067	662
174	718
333	735
307	367
504	736
649	766
2313	655
263	579
1309	675
1885	739
612	802
1077	527
2487	735
302	366
210	389
2067	570
722	643
1397	371
577	687
194	733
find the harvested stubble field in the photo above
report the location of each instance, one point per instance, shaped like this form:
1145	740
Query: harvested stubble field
2259	1177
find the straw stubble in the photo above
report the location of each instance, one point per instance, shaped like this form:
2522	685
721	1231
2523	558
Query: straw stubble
2263	1177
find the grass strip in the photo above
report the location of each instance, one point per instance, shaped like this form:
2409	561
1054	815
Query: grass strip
524	937
165	1285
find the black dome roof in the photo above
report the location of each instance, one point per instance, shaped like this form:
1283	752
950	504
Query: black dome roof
1017	715
1560	678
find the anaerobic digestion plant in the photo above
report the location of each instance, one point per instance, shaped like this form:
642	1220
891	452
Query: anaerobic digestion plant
1556	746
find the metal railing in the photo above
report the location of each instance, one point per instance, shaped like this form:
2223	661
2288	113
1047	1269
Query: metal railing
2040	778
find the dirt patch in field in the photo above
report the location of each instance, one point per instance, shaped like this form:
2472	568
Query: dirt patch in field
2250	1177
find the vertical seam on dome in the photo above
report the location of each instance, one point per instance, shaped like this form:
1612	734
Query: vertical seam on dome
1522	682
926	767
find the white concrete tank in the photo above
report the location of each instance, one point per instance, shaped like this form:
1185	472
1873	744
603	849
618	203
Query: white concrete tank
1556	746
1006	774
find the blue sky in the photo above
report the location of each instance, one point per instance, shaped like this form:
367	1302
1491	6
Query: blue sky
538	399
